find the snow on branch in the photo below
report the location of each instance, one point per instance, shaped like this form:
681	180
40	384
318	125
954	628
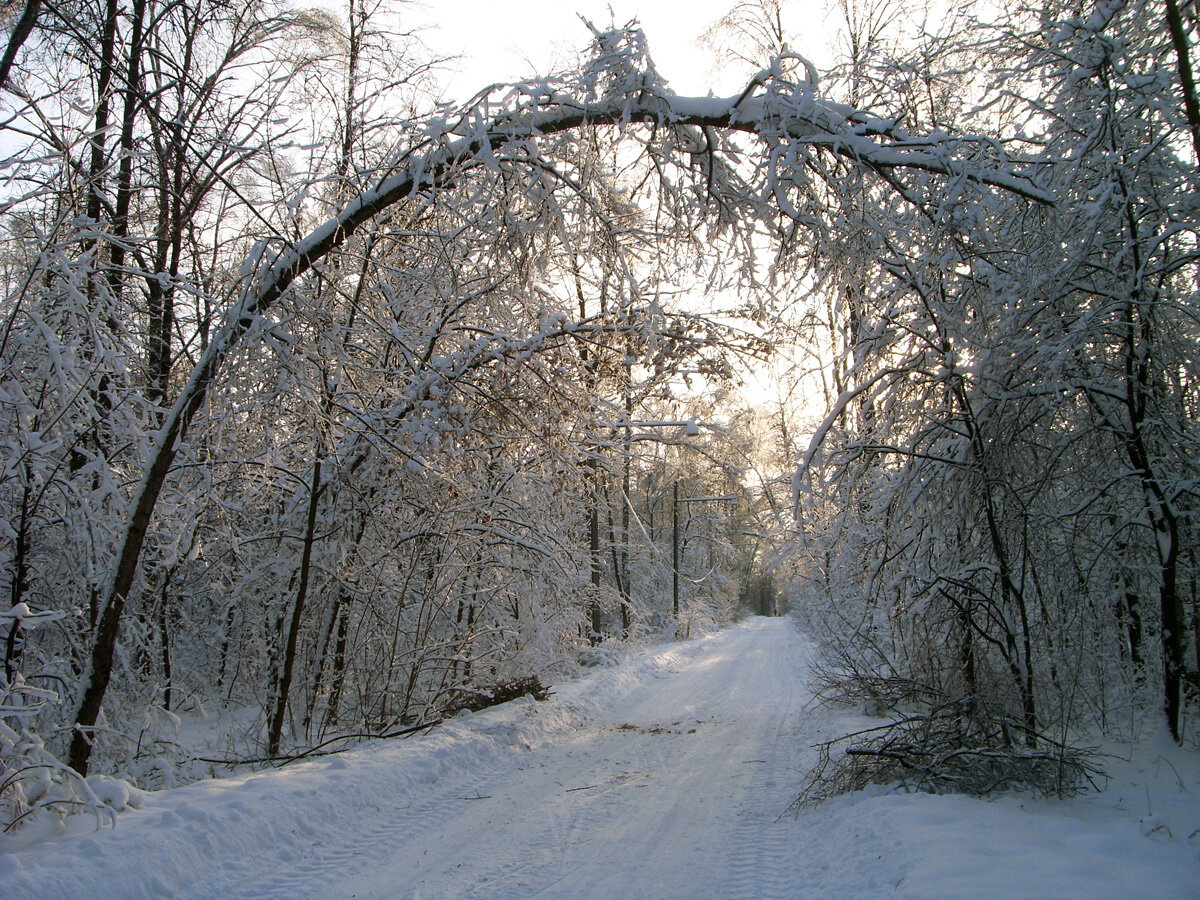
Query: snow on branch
618	87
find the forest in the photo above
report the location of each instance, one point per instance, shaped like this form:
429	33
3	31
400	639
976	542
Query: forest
329	407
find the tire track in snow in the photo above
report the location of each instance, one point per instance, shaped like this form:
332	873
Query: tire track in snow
760	867
649	794
676	804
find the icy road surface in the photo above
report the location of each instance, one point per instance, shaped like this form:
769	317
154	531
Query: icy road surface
662	777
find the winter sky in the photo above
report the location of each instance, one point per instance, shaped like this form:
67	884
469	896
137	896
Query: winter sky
507	41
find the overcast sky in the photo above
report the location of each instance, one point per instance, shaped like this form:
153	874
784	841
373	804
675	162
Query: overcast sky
505	41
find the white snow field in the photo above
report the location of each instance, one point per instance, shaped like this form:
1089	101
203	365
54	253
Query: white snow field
664	776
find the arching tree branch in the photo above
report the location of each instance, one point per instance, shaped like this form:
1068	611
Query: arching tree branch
781	112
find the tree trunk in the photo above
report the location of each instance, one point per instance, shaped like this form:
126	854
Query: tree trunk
20	34
164	637
339	676
275	728
1187	80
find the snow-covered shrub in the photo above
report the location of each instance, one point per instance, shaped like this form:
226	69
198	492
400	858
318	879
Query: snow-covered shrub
704	615
34	783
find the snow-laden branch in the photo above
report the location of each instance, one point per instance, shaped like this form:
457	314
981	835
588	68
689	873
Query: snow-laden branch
837	409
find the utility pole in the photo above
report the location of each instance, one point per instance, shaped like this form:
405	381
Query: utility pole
675	552
594	542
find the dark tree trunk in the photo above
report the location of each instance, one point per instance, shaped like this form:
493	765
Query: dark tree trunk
275	727
1187	79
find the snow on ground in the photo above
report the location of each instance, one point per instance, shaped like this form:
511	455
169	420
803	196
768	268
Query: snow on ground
664	776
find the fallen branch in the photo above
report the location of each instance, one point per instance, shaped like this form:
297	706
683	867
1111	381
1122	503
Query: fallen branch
477	699
284	759
956	747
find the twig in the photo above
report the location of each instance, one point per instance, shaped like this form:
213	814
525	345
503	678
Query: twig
283	760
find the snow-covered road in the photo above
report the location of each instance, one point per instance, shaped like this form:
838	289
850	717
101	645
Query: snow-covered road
662	777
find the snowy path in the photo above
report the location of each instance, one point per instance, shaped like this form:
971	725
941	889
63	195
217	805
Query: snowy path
671	785
661	777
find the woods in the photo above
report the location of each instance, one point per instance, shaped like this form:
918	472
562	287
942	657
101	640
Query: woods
327	404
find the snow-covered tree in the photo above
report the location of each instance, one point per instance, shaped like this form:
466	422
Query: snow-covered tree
993	509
